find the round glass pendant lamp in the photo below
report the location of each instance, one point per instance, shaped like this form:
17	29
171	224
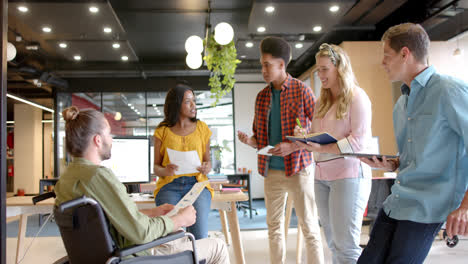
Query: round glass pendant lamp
223	33
11	51
194	44
194	60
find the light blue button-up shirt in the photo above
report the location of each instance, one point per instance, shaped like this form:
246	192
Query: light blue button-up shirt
431	130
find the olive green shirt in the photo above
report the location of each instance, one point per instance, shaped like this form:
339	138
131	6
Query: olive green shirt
128	225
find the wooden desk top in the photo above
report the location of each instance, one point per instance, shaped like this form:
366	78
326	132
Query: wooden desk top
218	197
230	197
26	201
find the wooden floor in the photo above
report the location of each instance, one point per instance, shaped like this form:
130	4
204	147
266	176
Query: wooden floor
49	249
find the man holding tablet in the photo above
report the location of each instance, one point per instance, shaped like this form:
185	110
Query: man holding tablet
431	129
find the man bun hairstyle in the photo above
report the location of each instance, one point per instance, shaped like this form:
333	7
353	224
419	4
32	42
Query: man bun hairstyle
80	127
277	47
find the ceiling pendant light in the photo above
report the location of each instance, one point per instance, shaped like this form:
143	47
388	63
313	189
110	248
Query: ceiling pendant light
194	44
223	33
11	51
194	60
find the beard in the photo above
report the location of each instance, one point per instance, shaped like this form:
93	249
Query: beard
105	153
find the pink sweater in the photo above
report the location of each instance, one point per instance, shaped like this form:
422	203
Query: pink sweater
353	133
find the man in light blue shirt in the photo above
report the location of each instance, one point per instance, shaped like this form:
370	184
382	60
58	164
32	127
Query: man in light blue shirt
431	129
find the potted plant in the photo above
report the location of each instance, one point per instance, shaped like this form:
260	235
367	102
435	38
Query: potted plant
217	154
222	61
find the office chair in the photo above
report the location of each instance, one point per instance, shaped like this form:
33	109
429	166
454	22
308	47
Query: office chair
85	233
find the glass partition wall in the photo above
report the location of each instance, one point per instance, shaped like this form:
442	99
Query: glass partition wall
137	114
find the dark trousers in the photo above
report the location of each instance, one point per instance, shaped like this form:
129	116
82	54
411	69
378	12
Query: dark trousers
398	241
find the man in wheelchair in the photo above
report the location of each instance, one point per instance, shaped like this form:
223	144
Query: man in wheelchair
89	141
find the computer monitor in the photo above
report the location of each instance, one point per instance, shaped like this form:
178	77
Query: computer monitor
130	159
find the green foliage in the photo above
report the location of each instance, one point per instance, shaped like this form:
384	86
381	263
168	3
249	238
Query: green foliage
218	150
222	62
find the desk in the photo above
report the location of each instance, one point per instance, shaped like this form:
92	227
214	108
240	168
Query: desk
46	182
20	207
43	183
381	188
243	176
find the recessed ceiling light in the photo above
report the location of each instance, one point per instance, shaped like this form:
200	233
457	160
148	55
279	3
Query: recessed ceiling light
249	44
23	9
77	57
125	58
154	105
93	9
269	9
116	45
334	8
261	29
46	29
243	56
317	28
63	45
299	45
107	30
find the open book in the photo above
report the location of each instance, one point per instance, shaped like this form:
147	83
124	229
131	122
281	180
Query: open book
320	138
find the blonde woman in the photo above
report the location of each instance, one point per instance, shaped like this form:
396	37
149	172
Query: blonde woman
342	185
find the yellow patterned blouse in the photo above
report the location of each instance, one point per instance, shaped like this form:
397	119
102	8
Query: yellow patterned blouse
197	141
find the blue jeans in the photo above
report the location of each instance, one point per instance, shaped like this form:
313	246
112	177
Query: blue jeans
173	192
398	241
341	205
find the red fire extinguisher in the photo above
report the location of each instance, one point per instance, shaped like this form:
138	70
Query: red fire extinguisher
10	170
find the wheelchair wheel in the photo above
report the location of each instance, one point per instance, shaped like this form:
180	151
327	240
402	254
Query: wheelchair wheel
451	242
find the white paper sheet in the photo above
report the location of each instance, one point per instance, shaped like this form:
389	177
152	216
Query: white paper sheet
187	161
189	198
264	151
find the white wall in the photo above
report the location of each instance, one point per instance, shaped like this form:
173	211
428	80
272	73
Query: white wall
244	94
28	148
48	150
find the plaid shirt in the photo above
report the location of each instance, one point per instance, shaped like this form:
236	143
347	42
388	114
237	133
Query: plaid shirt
297	101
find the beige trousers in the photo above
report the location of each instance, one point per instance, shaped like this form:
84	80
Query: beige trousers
300	187
213	250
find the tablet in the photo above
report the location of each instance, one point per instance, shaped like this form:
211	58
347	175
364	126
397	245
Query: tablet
369	156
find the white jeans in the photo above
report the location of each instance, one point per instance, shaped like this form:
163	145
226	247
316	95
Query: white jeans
213	250
300	188
341	205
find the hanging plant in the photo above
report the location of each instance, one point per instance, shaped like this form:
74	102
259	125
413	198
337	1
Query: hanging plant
222	61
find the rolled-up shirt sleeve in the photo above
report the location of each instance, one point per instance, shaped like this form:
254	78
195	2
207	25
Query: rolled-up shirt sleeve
122	211
360	119
309	103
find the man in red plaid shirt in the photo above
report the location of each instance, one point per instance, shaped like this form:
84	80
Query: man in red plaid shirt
288	170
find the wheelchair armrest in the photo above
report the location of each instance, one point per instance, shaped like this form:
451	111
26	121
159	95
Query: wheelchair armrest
79	201
42	197
63	260
162	240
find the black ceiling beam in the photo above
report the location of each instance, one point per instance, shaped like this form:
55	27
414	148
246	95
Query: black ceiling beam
59	1
181	11
111	73
414	11
334	36
133	84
